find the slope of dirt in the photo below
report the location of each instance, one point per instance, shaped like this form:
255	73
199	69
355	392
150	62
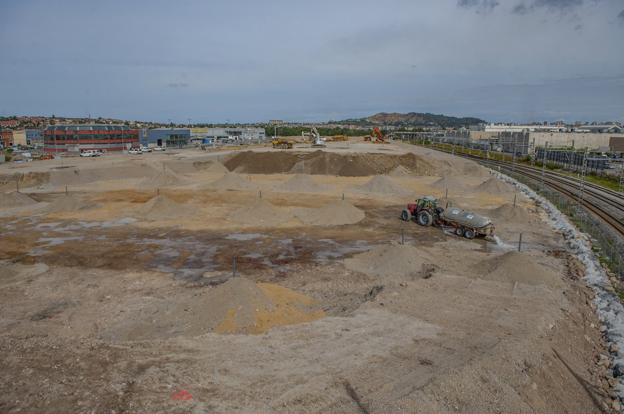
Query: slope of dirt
400	171
260	213
15	199
163	208
517	267
450	182
302	183
509	212
382	185
67	203
189	167
335	213
493	185
86	175
25	180
327	163
389	260
232	182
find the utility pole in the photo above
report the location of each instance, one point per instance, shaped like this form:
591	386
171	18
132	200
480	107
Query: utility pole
621	177
544	164
583	172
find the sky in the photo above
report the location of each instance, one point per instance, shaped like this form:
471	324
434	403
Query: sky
253	61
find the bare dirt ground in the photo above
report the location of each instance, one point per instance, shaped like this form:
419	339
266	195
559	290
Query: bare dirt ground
276	281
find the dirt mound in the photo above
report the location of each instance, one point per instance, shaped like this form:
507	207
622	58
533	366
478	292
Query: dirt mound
389	260
212	166
70	202
493	185
333	214
302	183
246	307
517	267
238	306
189	166
15	199
450	182
163	178
232	182
25	180
259	213
161	207
509	212
327	163
381	185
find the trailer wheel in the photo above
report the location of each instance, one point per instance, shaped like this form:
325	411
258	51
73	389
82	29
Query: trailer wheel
469	234
459	231
424	218
406	215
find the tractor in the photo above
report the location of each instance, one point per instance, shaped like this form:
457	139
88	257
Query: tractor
426	212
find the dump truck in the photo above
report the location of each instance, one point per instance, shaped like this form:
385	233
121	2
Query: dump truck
427	212
282	143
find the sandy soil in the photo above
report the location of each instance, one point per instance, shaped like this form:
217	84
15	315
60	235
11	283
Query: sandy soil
283	281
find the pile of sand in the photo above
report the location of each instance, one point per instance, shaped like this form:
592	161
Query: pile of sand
238	306
15	199
389	260
161	208
212	166
400	171
163	178
302	183
511	213
69	202
493	185
259	213
381	185
335	213
451	182
232	182
243	306
517	267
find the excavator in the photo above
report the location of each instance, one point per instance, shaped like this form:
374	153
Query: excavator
317	141
376	137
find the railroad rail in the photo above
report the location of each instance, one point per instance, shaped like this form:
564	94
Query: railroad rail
604	203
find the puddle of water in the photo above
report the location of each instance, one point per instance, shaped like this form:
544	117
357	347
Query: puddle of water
244	236
55	241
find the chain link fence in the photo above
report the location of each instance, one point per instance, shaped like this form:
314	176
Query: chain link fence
607	244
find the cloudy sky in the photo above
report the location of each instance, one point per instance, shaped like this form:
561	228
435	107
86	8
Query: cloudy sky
250	60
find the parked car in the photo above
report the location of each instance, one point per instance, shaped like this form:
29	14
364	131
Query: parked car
146	149
135	151
90	153
159	148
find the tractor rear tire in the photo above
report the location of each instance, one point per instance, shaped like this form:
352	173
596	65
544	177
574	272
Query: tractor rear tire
406	215
459	231
425	218
469	234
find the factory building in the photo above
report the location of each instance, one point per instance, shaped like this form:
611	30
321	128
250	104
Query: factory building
77	138
235	134
166	137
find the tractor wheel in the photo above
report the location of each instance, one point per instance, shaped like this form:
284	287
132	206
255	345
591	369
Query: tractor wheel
469	234
459	231
424	218
406	215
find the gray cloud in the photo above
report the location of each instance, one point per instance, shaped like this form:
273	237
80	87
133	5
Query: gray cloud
562	6
621	17
481	6
178	85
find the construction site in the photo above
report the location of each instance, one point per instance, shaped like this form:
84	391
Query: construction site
290	277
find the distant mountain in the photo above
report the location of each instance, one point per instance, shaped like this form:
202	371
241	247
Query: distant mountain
415	119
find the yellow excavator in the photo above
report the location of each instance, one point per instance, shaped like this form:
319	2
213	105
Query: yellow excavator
282	143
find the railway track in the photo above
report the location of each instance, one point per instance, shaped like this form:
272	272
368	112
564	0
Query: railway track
606	204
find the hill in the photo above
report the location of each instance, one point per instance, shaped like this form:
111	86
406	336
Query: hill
415	119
